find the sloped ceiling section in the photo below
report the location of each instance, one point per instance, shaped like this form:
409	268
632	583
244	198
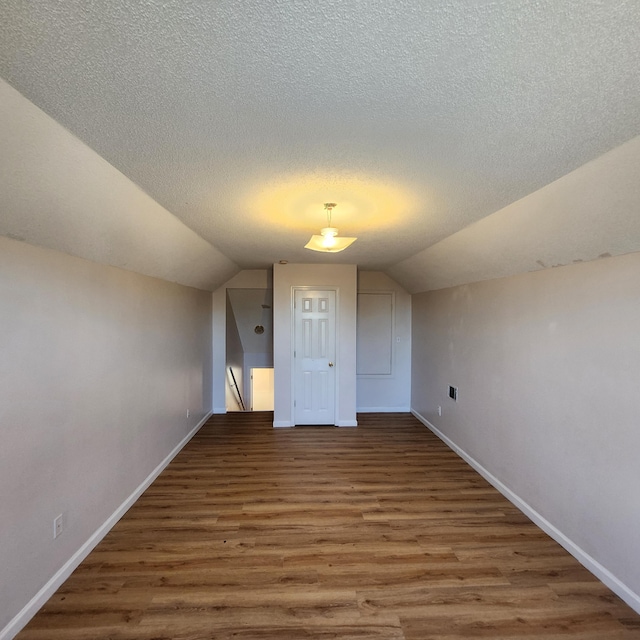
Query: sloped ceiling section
58	193
592	212
242	117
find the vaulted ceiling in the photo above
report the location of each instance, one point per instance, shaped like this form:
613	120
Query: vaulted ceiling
241	118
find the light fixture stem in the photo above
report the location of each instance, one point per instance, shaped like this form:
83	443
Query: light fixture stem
329	207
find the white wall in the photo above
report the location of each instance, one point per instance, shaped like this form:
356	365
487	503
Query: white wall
251	361
98	367
388	392
343	278
548	370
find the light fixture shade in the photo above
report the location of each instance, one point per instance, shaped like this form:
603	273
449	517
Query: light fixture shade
328	244
328	240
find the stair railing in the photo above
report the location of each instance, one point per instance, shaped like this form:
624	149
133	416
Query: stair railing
237	390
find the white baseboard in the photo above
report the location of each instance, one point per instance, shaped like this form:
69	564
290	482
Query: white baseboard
51	586
383	409
601	572
286	424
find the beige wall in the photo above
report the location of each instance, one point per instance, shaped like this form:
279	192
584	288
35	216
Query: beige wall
98	367
392	392
547	366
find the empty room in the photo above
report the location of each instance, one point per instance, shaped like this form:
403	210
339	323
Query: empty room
319	319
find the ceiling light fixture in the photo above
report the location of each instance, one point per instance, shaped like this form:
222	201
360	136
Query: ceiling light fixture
328	240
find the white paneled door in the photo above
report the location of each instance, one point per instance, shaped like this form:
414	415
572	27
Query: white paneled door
314	356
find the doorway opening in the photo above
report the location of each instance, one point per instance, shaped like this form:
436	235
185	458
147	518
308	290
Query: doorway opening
249	347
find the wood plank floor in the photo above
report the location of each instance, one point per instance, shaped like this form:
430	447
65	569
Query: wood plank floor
315	532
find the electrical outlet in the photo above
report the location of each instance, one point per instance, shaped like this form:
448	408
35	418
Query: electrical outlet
57	526
188	413
439	410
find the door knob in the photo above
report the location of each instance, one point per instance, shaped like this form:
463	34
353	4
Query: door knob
331	364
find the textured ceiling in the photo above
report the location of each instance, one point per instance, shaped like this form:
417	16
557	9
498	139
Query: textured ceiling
418	118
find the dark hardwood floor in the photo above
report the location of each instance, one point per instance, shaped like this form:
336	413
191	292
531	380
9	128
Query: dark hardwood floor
318	532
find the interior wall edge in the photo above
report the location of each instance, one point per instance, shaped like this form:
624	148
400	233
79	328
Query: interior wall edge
51	586
602	573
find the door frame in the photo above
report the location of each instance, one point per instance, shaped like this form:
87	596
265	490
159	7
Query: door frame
336	401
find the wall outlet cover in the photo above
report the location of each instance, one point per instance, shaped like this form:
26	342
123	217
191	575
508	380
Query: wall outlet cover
57	526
